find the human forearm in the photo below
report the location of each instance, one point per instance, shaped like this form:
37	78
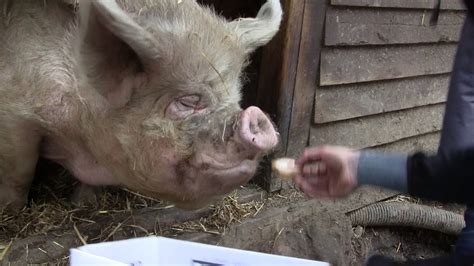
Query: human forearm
384	170
434	177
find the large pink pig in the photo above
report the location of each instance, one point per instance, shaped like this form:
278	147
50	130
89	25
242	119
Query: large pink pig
136	93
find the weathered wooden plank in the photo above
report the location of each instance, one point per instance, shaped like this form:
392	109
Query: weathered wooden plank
381	129
423	4
277	79
360	64
308	69
426	143
390	26
349	101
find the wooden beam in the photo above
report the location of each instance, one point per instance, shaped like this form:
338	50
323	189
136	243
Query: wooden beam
380	129
306	76
277	79
361	64
346	26
422	4
342	102
426	143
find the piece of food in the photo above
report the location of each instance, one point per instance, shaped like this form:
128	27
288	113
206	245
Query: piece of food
285	168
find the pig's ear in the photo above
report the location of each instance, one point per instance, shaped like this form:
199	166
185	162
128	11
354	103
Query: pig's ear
103	20
113	50
256	32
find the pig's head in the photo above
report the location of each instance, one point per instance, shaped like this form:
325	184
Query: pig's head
170	74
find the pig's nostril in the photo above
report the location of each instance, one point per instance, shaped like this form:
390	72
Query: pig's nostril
258	126
256	131
263	124
253	128
205	166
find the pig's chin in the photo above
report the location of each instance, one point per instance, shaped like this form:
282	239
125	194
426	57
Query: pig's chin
217	161
212	165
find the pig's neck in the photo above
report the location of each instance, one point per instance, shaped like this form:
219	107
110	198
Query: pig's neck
74	132
78	160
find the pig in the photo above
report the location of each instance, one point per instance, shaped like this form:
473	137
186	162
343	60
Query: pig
142	94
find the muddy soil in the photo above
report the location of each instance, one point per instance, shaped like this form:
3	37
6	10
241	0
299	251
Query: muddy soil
284	223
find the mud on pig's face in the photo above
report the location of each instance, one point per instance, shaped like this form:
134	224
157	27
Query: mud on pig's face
175	101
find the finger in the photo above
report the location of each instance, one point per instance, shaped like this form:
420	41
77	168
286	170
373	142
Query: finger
318	169
298	181
343	187
311	154
313	187
310	170
317	181
323	169
311	184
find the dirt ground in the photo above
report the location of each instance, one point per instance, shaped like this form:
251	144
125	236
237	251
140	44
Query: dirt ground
285	223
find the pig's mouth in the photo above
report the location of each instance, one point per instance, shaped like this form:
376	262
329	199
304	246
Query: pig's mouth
207	161
227	173
243	169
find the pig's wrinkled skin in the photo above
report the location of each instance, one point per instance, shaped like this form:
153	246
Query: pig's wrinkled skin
137	93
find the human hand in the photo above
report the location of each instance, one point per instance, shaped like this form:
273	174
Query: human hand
327	171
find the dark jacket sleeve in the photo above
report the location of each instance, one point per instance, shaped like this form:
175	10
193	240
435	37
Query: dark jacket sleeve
442	178
470	6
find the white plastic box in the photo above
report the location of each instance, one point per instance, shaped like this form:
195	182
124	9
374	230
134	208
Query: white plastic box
165	251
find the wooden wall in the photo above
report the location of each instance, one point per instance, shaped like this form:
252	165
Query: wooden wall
361	73
384	73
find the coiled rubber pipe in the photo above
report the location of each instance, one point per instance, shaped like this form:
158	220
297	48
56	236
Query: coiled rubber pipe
408	214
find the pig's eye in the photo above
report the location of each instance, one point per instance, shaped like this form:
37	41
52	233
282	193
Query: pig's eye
184	106
191	101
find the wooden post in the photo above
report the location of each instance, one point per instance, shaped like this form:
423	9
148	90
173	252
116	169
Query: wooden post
307	80
288	73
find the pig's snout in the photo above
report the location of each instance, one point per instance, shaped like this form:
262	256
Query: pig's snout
256	131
